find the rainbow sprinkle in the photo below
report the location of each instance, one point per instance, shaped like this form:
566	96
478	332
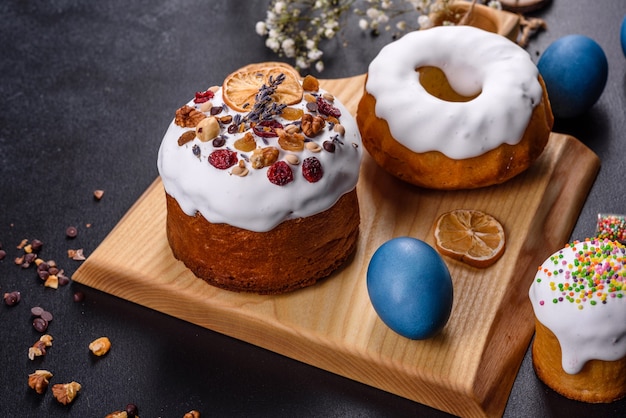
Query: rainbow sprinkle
596	275
611	227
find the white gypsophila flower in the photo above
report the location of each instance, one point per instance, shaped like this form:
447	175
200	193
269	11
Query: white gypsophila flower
373	13
495	4
363	24
401	25
261	28
386	4
309	44
319	66
424	22
279	7
270	17
301	62
314	54
289	47
273	44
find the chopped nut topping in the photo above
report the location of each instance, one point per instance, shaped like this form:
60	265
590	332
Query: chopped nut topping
312	125
263	157
76	254
290	141
39	380
187	136
66	392
188	117
207	129
100	346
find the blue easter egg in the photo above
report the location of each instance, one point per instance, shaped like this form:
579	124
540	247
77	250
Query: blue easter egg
574	69
410	287
622	36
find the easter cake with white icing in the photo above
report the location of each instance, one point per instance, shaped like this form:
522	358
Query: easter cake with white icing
579	300
260	180
454	107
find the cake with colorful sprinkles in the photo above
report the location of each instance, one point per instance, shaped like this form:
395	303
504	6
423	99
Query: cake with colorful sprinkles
260	181
579	300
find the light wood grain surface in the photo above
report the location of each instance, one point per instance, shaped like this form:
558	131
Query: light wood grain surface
467	370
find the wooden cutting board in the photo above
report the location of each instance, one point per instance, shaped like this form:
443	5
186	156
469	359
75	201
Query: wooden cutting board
467	370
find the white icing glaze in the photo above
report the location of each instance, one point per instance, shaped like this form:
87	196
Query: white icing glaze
253	202
589	324
474	61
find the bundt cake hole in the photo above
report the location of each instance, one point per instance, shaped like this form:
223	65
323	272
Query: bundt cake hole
435	82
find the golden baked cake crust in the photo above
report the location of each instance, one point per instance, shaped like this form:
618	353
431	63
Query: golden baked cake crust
434	170
598	381
295	254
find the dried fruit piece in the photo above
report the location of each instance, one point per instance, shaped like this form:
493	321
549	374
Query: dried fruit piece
39	380
267	128
100	346
312	169
246	143
310	83
203	96
192	414
279	173
470	236
66	392
241	87
290	141
263	157
187	136
326	108
291	113
223	158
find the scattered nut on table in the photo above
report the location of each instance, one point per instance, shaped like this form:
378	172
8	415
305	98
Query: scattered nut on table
66	392
192	414
100	346
39	380
39	348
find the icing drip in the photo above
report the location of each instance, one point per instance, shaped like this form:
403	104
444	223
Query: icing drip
252	202
475	62
579	293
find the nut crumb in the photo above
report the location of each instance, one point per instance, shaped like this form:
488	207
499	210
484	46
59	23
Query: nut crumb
39	380
192	414
66	392
117	414
76	254
100	346
98	194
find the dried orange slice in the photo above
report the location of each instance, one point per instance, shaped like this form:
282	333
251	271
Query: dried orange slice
470	236
240	87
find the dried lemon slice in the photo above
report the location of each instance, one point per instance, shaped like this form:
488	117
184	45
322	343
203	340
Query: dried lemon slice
241	87
470	236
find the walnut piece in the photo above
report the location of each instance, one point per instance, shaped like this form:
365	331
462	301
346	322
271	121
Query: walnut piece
39	348
39	380
66	392
263	157
100	346
188	117
312	125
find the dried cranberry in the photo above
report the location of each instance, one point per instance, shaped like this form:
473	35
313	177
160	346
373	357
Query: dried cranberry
267	128
203	96
280	173
223	158
325	108
312	169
